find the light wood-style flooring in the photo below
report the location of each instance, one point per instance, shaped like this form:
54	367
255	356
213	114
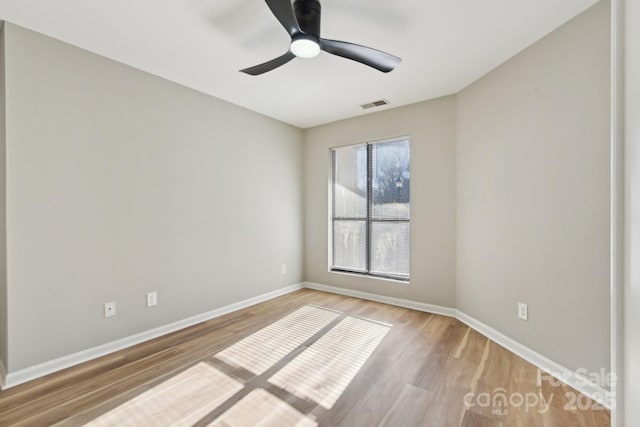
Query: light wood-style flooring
429	370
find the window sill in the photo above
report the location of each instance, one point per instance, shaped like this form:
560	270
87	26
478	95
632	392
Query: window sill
368	276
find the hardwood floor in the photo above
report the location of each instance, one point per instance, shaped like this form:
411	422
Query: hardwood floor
428	370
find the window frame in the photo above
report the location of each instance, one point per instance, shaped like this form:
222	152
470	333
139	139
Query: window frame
369	220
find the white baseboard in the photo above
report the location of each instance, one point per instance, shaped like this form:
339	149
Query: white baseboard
564	374
400	302
11	379
556	370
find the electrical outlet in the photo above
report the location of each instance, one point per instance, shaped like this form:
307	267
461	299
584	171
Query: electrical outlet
284	268
152	299
109	309
523	311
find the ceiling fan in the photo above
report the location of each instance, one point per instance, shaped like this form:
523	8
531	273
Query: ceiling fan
302	22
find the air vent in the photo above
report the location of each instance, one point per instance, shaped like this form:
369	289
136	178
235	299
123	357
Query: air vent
378	103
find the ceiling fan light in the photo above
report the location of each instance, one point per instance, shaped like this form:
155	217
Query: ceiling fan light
305	48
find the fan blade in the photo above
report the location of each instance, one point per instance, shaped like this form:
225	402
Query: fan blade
283	11
269	65
366	55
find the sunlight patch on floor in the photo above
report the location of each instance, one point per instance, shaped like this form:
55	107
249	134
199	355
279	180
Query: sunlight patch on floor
263	349
319	373
180	401
261	408
323	371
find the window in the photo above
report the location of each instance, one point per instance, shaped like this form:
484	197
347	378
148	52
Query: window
370	210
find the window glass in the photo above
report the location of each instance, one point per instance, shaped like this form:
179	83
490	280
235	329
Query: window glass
371	189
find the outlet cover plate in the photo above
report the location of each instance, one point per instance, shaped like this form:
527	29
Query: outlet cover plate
109	309
152	299
523	311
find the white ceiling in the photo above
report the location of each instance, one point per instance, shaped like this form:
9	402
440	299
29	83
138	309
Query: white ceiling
444	45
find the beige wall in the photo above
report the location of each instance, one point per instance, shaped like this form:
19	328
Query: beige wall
121	183
632	213
431	126
533	194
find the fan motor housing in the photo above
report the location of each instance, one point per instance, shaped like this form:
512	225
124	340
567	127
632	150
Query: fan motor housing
308	16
